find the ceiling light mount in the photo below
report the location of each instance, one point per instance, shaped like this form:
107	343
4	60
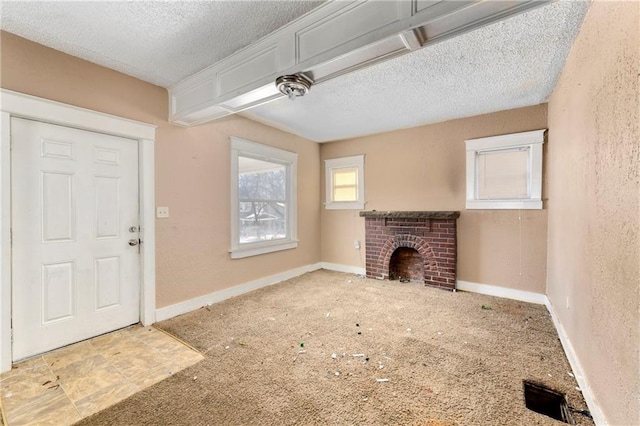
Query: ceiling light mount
293	86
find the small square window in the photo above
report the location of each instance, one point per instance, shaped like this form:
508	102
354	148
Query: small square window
345	183
502	174
505	172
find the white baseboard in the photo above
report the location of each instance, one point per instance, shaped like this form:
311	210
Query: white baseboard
218	296
343	268
490	290
594	408
542	299
507	293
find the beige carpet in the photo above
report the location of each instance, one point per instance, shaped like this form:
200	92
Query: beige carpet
285	355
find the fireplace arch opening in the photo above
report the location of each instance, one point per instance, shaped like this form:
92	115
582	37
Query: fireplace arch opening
431	234
406	264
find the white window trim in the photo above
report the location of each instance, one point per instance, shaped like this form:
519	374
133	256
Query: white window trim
356	161
533	141
243	147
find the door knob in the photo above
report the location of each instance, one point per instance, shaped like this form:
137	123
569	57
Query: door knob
133	242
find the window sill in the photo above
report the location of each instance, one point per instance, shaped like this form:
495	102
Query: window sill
504	204
344	206
257	249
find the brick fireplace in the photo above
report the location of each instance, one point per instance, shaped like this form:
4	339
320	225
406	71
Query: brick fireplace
416	246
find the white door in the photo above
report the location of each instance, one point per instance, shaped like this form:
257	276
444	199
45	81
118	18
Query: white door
74	212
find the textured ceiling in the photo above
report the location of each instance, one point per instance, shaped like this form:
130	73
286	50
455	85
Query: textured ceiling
161	42
510	64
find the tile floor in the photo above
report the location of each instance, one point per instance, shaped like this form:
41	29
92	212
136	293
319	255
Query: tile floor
63	386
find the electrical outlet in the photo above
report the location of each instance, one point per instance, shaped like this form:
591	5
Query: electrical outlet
162	212
356	244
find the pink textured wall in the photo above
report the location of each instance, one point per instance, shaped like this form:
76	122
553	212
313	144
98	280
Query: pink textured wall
423	168
192	170
594	212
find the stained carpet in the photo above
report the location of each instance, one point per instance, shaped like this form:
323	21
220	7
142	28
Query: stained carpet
335	349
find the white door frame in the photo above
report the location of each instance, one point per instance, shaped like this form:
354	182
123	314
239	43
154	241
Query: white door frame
14	104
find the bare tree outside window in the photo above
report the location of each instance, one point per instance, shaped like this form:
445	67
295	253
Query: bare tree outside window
262	200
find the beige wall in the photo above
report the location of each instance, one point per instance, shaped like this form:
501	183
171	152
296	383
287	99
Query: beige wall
594	214
423	168
192	170
589	261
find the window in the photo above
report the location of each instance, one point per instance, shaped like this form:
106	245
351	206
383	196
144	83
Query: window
345	183
263	199
505	172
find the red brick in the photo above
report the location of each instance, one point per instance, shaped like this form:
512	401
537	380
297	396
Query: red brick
433	254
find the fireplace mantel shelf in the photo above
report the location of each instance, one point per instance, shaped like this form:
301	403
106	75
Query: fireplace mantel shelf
418	245
374	214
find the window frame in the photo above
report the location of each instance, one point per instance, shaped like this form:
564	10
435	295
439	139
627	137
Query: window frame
533	141
356	162
244	148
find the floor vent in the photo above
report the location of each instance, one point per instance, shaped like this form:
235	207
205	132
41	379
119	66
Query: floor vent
544	400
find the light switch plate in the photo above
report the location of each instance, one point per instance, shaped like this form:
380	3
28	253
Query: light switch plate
162	212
